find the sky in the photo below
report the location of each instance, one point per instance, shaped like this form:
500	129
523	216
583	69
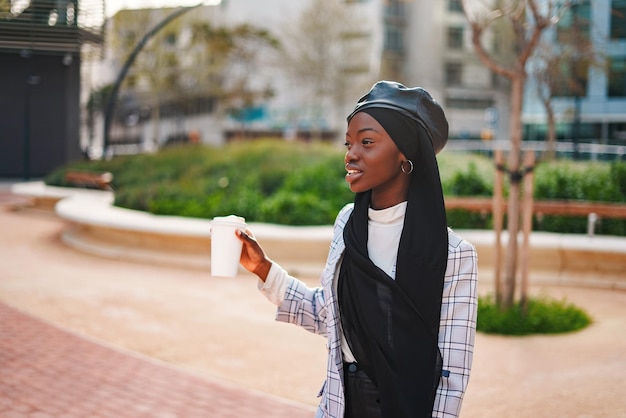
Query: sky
113	6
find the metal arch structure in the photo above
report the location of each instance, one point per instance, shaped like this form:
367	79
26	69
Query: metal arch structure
110	107
52	25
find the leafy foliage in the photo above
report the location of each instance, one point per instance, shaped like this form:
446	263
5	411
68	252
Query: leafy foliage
468	182
585	182
298	183
543	316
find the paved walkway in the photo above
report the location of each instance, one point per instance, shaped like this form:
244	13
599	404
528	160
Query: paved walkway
85	336
50	372
47	371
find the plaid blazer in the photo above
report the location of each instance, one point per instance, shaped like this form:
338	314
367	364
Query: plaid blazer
316	310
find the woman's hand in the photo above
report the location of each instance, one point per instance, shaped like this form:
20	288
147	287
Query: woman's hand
253	257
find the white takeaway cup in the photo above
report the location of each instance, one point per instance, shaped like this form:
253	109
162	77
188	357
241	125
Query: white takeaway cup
225	246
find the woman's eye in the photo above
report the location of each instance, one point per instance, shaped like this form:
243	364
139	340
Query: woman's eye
367	141
346	144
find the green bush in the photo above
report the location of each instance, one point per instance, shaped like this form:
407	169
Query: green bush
320	190
303	184
543	316
618	176
569	180
467	182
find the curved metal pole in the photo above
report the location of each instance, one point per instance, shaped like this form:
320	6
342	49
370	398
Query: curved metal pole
108	113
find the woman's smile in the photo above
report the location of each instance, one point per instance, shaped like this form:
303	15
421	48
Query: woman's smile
353	173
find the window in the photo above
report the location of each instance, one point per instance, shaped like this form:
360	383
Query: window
454	74
617	133
617	77
455	6
393	39
574	24
455	38
394	8
618	19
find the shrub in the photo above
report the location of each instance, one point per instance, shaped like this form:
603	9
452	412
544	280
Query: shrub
264	179
468	182
297	209
322	188
543	316
618	177
585	182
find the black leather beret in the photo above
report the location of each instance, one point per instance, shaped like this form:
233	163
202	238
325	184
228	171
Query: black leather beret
415	102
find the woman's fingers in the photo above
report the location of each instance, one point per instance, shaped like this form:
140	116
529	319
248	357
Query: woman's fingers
252	250
252	255
246	235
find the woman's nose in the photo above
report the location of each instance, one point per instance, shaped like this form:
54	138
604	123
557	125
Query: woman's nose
350	156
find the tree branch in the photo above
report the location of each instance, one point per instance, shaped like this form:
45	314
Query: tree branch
483	55
541	23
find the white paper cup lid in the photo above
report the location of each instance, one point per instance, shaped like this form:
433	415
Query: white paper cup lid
230	220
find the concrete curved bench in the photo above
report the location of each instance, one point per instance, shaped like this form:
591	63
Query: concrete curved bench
97	227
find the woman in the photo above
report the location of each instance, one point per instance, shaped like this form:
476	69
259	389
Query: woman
397	300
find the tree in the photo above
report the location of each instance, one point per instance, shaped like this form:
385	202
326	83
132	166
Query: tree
154	74
558	70
527	20
209	70
96	104
5	9
326	55
561	68
231	58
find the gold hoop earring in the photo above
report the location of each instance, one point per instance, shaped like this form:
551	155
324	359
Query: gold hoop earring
402	167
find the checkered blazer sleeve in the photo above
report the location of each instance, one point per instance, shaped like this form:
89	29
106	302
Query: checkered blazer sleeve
457	329
308	307
303	306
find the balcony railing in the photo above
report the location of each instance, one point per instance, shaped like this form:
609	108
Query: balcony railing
51	25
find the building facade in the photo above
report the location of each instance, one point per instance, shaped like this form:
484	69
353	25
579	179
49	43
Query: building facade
440	57
40	58
596	113
347	45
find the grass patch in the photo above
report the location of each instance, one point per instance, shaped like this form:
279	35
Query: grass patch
544	316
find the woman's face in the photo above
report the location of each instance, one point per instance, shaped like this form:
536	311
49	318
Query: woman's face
373	161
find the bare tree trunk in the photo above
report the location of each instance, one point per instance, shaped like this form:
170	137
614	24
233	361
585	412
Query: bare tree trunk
527	20
551	146
527	226
508	286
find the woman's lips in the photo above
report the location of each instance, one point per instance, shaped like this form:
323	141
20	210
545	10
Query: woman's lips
353	174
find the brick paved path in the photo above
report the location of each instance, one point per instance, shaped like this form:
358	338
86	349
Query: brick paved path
48	372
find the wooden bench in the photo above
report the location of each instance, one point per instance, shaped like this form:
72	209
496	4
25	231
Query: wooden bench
592	210
89	180
544	207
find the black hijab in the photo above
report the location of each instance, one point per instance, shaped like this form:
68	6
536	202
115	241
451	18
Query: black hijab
391	325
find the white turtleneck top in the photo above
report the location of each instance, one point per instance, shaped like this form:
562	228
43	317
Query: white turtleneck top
384	230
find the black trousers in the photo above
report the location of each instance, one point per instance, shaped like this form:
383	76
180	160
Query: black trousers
361	394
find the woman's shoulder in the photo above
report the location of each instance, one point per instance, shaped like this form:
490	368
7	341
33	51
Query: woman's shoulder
458	243
344	213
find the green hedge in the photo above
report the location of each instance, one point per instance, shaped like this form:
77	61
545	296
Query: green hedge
543	316
599	182
303	184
